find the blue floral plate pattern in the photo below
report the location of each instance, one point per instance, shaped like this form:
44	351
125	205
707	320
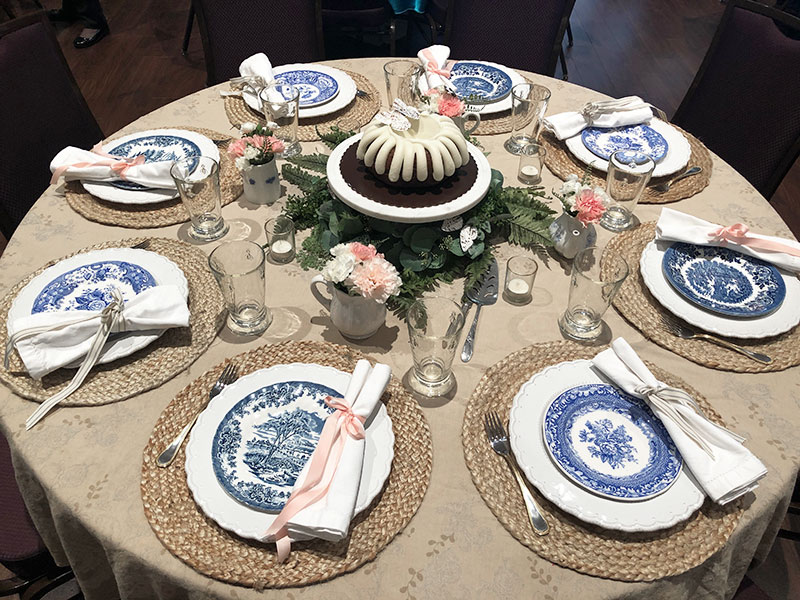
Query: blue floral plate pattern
156	148
641	138
724	281
477	79
315	87
263	442
610	443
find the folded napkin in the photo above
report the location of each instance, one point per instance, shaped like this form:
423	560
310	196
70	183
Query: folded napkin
722	466
95	165
324	497
676	226
630	110
437	67
259	65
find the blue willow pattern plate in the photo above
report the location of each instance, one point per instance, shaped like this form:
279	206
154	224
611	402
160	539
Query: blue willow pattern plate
156	148
484	81
89	287
315	87
641	138
263	442
724	281
610	443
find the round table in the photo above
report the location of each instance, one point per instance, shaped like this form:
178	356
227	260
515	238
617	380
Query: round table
79	470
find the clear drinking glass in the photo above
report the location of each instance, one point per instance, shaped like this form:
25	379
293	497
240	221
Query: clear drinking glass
520	275
402	77
239	270
596	279
628	174
197	180
280	239
434	328
526	99
531	162
280	103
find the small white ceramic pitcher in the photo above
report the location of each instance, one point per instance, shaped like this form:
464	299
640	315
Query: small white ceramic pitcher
462	121
355	317
261	183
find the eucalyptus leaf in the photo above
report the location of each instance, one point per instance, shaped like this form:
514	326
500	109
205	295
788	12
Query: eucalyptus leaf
497	179
350	226
412	261
476	250
423	239
382	226
438	258
333	225
408	233
328	240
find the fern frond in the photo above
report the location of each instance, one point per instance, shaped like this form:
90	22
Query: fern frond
302	179
314	162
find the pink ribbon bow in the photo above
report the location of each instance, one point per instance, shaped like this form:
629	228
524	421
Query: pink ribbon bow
119	165
339	425
737	234
432	65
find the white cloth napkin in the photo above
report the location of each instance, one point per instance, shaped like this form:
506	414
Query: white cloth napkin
630	110
730	470
160	307
96	168
330	517
259	65
439	54
676	226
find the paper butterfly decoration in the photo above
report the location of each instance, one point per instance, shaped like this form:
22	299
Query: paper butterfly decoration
398	117
467	237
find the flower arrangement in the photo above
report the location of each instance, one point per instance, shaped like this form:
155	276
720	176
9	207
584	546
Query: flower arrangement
444	103
582	201
258	148
359	269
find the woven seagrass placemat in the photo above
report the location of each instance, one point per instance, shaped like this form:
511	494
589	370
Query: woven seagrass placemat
635	302
571	543
502	122
145	216
351	118
562	163
203	545
147	368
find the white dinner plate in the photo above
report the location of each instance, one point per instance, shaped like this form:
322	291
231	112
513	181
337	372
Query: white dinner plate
674	505
676	159
784	318
248	522
108	191
347	91
163	271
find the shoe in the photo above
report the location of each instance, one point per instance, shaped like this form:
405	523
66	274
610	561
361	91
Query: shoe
85	42
59	15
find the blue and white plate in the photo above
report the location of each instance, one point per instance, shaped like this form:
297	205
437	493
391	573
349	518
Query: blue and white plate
480	79
315	87
610	443
155	148
641	138
724	281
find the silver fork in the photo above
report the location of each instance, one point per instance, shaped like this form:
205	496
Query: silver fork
141	245
228	376
682	331
498	439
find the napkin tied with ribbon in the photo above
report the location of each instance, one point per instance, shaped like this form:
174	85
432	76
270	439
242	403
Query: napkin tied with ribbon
259	66
437	67
719	462
323	500
676	226
95	165
606	114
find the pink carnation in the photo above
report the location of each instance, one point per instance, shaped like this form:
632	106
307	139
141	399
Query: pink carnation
362	252
590	206
257	141
450	106
376	279
275	144
236	147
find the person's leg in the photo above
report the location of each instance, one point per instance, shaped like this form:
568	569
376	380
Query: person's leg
65	14
95	24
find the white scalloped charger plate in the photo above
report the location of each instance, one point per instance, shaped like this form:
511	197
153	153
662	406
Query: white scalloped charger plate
784	318
676	159
676	504
163	270
247	522
400	214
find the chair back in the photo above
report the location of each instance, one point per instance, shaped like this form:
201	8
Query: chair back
287	31
42	112
517	33
744	103
355	13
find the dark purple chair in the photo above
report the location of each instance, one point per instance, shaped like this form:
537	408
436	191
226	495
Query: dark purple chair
287	31
359	16
744	103
521	34
42	111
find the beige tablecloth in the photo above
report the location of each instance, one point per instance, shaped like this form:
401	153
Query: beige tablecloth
79	470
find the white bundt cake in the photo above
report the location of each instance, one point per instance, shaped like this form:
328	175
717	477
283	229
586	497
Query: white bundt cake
426	154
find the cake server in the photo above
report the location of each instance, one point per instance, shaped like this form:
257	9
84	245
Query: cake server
481	295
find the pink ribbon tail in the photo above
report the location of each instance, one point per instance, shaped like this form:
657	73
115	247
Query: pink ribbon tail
737	234
339	425
118	165
432	65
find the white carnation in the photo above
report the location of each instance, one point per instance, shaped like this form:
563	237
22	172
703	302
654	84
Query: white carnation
340	249
571	186
251	153
339	269
242	163
248	127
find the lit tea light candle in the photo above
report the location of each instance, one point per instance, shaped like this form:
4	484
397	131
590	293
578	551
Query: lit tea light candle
519	287
520	275
529	174
530	171
281	250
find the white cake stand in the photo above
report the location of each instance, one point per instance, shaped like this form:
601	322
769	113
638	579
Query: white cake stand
400	214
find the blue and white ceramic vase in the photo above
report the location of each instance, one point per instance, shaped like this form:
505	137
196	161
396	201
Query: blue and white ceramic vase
570	236
261	183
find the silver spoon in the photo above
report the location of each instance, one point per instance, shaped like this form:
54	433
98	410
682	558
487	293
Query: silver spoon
664	187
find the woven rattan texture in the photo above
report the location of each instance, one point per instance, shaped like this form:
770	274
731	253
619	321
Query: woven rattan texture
162	214
351	118
209	549
149	367
562	163
572	543
635	302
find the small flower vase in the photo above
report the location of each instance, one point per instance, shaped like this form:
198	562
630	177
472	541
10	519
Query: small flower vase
570	236
355	317
261	183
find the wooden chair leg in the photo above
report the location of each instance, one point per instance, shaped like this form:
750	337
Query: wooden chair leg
188	33
563	60
392	38
570	40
